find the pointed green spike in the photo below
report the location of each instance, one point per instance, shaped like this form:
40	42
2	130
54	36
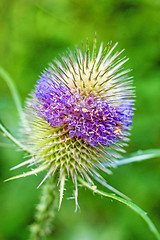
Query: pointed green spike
33	172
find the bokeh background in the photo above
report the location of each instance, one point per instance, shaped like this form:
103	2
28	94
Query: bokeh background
32	33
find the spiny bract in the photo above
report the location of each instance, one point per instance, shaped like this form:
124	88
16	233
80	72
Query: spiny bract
79	115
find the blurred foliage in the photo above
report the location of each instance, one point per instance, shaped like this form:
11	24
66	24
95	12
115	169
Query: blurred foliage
32	33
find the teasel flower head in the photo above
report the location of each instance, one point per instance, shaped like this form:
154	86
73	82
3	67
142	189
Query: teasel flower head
79	115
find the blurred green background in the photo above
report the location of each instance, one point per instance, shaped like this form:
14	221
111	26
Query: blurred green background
32	33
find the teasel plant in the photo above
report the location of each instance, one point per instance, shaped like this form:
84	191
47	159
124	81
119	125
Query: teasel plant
75	125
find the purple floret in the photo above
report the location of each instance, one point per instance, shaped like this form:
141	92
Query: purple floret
85	117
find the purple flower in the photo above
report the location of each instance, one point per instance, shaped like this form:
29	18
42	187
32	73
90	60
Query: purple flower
87	117
79	115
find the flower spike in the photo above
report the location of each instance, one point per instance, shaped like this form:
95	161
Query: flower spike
79	115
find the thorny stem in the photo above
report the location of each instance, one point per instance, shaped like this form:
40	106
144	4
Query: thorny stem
46	211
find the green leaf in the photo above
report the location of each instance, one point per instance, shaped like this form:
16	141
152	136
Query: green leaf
128	203
14	92
138	156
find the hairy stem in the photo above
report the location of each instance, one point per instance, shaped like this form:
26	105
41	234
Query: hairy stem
45	212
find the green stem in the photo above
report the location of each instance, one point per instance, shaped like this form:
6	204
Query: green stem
131	205
7	134
46	211
14	92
